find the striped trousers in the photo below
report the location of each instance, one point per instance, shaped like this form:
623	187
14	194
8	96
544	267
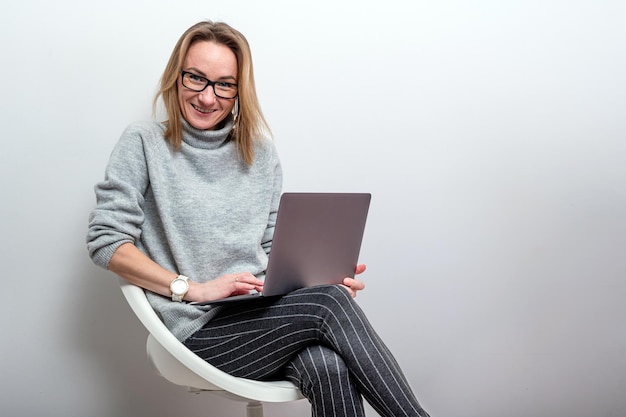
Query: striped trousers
319	339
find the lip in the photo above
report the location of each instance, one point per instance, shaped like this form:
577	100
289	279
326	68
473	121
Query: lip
200	110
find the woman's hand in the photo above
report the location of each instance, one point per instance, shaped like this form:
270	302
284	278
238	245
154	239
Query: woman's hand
224	286
354	285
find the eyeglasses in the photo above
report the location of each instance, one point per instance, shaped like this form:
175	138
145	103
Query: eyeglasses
221	89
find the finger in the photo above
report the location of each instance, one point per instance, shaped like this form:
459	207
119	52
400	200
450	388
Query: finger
242	283
360	269
355	284
350	290
246	278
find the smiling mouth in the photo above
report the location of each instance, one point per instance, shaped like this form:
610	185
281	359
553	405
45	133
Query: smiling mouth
201	110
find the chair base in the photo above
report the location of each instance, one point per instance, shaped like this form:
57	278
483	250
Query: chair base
254	409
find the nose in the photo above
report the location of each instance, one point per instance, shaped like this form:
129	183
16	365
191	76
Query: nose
207	95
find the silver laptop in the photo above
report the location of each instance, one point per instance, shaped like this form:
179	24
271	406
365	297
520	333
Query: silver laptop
317	240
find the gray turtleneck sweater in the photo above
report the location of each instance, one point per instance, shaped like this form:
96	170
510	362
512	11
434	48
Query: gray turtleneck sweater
199	211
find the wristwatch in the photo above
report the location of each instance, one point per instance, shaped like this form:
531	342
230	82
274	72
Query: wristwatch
179	288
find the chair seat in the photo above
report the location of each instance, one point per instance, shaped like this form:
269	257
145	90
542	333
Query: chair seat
176	363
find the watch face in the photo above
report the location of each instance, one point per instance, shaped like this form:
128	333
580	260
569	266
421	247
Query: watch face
179	286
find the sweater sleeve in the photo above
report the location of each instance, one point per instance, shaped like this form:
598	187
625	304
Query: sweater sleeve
277	190
118	215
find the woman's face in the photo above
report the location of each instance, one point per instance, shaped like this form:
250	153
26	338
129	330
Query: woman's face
216	62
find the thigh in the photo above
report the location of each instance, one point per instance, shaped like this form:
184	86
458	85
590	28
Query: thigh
256	339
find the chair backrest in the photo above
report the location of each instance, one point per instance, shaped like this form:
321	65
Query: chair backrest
178	364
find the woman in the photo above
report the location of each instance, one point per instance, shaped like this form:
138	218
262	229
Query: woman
187	211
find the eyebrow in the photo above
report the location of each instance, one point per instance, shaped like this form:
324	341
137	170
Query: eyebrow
226	77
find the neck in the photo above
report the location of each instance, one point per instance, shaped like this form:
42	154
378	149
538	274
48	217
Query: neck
208	139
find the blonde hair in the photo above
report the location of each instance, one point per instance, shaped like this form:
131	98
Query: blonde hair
249	124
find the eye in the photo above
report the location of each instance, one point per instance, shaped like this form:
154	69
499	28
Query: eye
195	78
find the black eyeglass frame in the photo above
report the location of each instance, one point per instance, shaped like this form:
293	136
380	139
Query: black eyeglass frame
208	83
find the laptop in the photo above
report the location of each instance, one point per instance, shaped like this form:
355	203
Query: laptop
317	240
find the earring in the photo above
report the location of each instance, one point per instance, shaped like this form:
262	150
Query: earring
235	110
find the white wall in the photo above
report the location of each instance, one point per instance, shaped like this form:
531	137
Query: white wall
491	134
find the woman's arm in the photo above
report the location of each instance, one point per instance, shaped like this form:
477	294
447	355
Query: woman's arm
138	269
135	267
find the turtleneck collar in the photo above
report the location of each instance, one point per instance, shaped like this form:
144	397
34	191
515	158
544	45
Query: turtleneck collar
207	139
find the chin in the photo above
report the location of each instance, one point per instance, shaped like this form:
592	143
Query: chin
203	124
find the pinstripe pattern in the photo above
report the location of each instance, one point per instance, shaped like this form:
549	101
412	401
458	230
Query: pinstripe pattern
324	379
321	340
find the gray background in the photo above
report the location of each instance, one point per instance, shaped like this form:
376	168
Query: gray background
491	134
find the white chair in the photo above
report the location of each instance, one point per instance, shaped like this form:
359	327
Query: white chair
174	362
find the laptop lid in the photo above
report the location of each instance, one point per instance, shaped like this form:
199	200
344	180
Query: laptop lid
317	240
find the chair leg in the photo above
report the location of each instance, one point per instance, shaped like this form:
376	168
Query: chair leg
254	409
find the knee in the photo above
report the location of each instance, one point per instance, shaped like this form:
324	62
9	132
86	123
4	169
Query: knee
323	378
331	295
331	303
329	361
323	365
